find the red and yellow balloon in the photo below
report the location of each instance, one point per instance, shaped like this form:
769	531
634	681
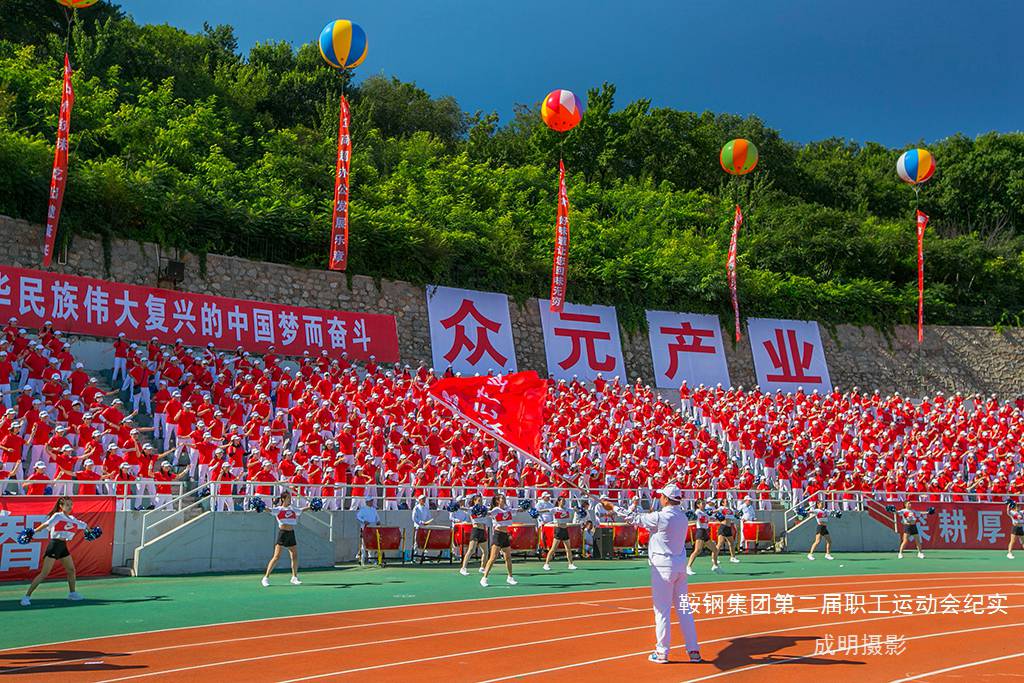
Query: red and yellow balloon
561	110
738	157
78	4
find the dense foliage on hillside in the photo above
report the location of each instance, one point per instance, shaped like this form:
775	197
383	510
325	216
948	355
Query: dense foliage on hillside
178	138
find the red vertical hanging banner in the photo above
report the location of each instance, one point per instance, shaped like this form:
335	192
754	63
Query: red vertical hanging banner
560	267
731	267
339	221
922	222
59	176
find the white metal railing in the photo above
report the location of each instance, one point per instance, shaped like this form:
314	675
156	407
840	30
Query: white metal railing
176	505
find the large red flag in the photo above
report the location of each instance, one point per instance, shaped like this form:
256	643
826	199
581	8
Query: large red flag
560	266
339	220
731	267
922	222
59	176
509	408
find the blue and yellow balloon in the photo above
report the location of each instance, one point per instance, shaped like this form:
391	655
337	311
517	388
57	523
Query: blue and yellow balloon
343	44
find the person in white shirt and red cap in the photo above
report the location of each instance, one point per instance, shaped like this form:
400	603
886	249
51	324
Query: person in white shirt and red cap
666	554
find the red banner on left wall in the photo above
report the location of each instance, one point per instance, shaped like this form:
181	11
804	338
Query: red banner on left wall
22	562
82	305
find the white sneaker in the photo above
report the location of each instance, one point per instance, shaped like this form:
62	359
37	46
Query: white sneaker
1009	556
511	581
265	581
920	556
464	571
547	567
716	568
481	570
295	581
25	601
572	566
690	572
74	595
483	581
734	560
657	659
828	557
899	556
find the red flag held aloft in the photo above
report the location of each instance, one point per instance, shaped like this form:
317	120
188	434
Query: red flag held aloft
509	408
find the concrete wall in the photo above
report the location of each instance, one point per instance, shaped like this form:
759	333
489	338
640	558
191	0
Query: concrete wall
966	359
229	542
854	532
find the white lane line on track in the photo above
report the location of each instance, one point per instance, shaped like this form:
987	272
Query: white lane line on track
968	665
716	640
790	660
924	576
338	628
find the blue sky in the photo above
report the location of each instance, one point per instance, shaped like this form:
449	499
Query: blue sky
892	71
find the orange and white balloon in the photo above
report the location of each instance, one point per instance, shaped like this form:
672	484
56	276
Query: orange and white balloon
561	110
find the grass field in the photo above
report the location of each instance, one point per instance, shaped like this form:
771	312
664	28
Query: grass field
122	605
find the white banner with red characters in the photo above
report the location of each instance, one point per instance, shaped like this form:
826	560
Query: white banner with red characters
88	306
22	562
339	219
687	346
508	407
470	332
59	175
954	526
560	262
582	342
788	355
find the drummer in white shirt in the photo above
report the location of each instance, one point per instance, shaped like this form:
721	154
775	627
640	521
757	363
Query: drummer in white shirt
666	554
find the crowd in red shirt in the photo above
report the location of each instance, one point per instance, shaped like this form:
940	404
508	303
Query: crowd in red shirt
842	445
242	424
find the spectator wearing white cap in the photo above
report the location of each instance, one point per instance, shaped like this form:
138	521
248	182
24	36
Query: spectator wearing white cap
120	358
666	555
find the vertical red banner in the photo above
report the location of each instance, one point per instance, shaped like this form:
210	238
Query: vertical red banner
731	267
560	267
59	176
922	222
339	221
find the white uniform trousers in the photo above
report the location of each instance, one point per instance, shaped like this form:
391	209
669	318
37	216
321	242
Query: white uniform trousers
668	586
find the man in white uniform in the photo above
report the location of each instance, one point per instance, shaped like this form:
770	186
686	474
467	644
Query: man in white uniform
666	554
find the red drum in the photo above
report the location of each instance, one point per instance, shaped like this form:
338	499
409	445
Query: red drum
643	536
382	538
758	532
623	536
434	538
523	536
462	533
713	530
575	536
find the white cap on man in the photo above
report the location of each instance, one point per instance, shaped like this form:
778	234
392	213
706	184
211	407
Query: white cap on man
672	492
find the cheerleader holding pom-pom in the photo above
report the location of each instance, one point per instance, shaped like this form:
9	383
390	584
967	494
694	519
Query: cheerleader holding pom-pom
501	518
1016	526
287	516
478	517
62	528
560	519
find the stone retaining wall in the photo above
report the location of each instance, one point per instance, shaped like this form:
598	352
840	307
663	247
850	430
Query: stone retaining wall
966	359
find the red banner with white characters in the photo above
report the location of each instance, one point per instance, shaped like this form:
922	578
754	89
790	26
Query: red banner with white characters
510	408
922	223
22	562
59	176
731	267
560	266
339	221
87	306
954	526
